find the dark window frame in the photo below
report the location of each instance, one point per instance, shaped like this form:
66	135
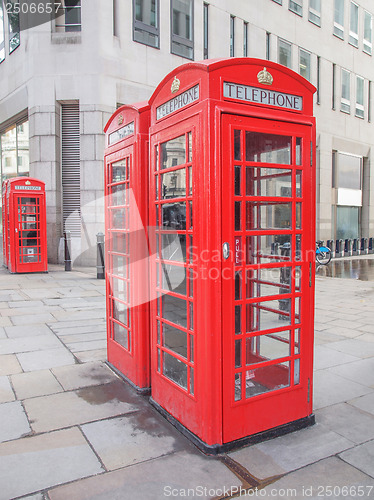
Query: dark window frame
176	40
146	28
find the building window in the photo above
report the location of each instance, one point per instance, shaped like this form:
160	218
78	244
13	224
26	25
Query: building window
245	39
278	1
353	25
345	103
304	64
339	18
315	12
369	101
360	110
69	16
368	26
232	36
182	28
2	34
268	46
14	148
284	53
318	79
13	27
296	6
333	85
206	28
146	22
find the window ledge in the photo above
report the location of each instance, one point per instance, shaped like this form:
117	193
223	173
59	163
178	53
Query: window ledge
66	38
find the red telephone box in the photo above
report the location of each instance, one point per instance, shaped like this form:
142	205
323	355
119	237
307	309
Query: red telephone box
4	216
232	198
126	202
25	225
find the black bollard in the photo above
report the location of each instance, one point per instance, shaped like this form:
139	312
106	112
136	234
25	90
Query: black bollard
67	241
100	262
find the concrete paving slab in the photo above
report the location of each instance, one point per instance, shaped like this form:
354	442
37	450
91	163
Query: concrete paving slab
354	347
5	321
28	319
14	423
361	371
324	357
84	375
329	478
27	331
344	332
88	356
34	384
92	345
79	315
361	457
57	327
41	293
58	411
339	418
326	338
293	451
83	337
21	311
366	337
49	358
2	333
134	438
99	327
40	462
154	480
365	403
6	391
330	389
9	364
25	303
28	344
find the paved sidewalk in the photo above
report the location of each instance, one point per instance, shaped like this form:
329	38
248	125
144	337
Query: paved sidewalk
71	429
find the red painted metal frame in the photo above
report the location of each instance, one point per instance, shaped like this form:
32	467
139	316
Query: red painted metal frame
132	357
206	412
23	218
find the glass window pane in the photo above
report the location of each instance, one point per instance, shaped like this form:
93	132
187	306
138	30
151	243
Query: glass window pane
347	222
267	347
284	53
119	289
119	312
268	215
238	386
2	34
175	370
174	339
368	22
146	12
174	216
173	184
267	378
120	334
349	171
268	315
119	171
237	145
268	148
174	278
268	281
269	248
173	152
238	319
268	182
238	218
173	247
9	153
174	310
304	64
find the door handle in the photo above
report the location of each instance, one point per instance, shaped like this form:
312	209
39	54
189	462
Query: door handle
226	250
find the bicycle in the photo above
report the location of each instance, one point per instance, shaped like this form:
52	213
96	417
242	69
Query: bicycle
323	253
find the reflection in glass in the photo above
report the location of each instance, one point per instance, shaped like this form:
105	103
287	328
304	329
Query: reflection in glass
119	312
174	184
268	148
298	215
298	151
268	281
2	35
173	247
118	195
175	370
175	339
267	215
268	248
119	289
268	315
298	183
237	145
267	378
120	335
273	182
238	224
237	180
238	319
119	171
174	216
238	353
174	310
173	152
174	278
296	373
238	386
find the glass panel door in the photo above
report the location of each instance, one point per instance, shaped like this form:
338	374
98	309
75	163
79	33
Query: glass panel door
265	303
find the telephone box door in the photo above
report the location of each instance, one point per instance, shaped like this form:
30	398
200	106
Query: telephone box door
30	245
267	223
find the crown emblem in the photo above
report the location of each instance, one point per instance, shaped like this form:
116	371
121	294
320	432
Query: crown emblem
265	77
175	85
120	120
27	183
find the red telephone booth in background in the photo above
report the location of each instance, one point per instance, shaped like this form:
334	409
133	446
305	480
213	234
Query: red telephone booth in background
232	185
4	216
126	245
25	225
